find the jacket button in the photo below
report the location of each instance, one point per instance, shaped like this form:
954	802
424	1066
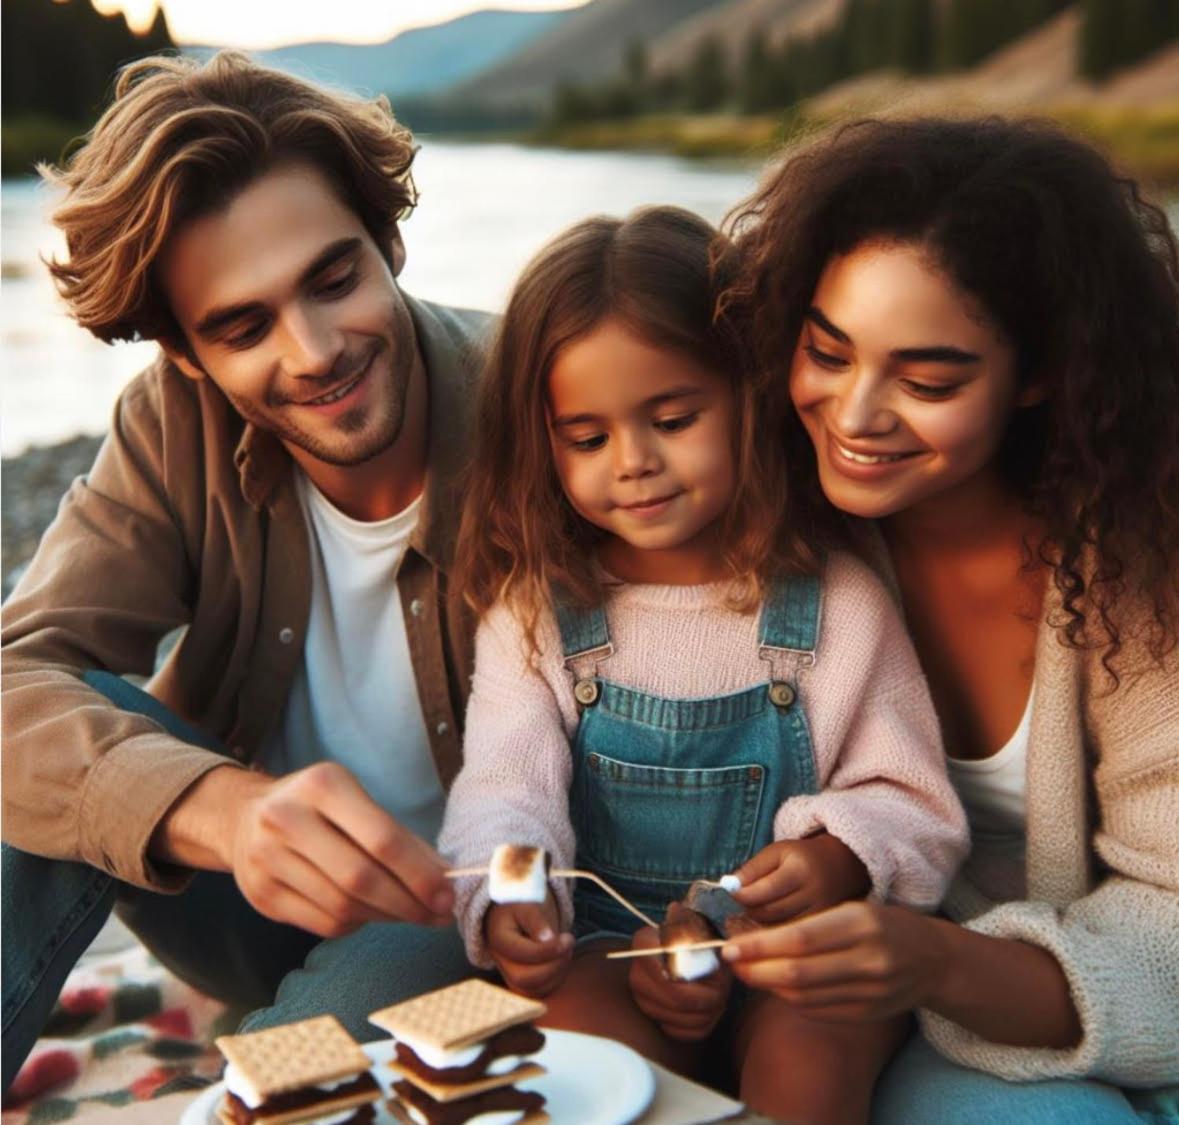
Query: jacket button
586	692
286	634
417	607
782	695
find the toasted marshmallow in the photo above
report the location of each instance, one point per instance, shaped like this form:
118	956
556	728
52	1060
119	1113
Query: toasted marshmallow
691	964
518	873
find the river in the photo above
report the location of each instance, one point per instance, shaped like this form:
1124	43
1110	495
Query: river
484	210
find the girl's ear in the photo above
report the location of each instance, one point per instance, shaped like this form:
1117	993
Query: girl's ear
397	261
184	361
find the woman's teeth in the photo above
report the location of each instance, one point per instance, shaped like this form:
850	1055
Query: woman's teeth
869	459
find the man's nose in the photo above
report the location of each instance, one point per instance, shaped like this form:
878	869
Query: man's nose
311	343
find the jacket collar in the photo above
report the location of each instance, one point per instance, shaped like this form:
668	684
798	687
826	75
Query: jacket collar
451	363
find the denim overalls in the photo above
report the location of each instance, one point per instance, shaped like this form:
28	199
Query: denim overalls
670	790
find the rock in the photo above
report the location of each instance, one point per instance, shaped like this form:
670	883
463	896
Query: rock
31	488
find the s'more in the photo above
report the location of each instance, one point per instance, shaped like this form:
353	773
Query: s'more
460	1052
310	1071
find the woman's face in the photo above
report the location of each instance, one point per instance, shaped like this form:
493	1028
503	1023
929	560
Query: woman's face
903	383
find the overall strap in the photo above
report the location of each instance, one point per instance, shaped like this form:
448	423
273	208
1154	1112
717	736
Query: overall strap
583	631
790	617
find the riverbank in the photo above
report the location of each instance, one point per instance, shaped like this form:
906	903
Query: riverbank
31	487
1144	142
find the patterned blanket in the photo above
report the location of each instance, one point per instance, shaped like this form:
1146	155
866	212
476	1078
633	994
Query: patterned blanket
124	1030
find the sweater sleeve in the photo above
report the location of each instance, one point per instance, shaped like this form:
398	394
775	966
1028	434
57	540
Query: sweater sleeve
1119	944
883	786
517	769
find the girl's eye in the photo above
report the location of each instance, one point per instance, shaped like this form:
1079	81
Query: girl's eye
339	286
589	444
679	422
825	359
932	391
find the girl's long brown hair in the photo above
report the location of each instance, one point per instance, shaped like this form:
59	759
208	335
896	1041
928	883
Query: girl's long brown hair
1075	266
658	272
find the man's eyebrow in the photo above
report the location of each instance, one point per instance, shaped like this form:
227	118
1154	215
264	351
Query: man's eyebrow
671	395
217	318
935	353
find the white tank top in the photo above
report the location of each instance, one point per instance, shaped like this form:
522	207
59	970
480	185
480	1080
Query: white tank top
993	790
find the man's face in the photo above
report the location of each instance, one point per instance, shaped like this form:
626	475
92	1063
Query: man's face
289	307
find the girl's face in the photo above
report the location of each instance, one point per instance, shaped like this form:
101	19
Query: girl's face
642	439
903	383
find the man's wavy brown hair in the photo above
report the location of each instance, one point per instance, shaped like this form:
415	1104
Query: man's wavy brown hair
180	140
659	273
1079	271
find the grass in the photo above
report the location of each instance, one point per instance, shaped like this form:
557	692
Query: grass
1144	142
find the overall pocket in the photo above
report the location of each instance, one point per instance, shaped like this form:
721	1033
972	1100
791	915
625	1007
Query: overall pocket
650	829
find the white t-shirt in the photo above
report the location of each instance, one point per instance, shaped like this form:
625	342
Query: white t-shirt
993	791
354	699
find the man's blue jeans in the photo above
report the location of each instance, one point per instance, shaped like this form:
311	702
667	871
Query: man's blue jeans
209	936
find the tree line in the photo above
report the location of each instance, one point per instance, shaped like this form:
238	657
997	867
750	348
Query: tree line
913	36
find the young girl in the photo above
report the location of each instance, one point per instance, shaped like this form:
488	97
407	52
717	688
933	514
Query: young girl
978	324
675	678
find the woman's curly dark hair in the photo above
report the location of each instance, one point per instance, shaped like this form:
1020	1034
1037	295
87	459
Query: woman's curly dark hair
1075	267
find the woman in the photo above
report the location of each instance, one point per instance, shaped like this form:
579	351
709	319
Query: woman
980	329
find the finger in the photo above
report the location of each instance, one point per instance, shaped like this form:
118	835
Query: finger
302	878
679	997
781	910
306	833
517	946
540	980
669	1016
785	878
838	928
283	904
407	857
533	921
843	968
756	867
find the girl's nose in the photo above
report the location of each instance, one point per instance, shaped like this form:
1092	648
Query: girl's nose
635	455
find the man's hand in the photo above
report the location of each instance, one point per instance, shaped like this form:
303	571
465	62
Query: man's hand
311	849
524	942
794	877
685	1010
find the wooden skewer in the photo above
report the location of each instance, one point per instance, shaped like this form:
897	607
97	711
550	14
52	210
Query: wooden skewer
566	873
688	947
575	874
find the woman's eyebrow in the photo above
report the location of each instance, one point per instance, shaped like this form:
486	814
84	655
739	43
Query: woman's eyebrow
814	313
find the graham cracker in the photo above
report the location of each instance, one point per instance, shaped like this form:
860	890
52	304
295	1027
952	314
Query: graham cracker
307	1053
316	1112
460	1015
452	1092
397	1110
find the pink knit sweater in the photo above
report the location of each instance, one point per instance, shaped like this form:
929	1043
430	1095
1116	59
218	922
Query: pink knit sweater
878	754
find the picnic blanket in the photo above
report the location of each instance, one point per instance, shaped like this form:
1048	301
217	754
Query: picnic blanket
124	1030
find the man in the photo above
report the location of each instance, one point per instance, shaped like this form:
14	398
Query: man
281	484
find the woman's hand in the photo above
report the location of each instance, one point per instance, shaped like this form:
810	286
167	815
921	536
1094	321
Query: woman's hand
856	961
793	877
524	941
684	1010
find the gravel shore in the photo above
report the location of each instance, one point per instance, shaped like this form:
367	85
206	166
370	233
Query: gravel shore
31	487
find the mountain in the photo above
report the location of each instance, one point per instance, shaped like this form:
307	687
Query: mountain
587	46
422	61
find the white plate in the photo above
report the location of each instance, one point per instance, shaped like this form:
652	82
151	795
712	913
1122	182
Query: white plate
590	1081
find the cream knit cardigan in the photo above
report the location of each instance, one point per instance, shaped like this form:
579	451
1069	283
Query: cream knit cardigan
1102	876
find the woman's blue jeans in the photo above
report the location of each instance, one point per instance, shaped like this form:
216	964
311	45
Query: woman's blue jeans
209	936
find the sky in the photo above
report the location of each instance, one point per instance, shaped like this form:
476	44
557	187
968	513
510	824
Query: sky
256	24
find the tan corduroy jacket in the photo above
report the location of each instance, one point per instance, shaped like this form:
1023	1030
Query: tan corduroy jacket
189	518
1101	886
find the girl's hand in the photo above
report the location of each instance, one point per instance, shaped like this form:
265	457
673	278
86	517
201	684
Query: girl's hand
685	1010
793	877
857	961
523	939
